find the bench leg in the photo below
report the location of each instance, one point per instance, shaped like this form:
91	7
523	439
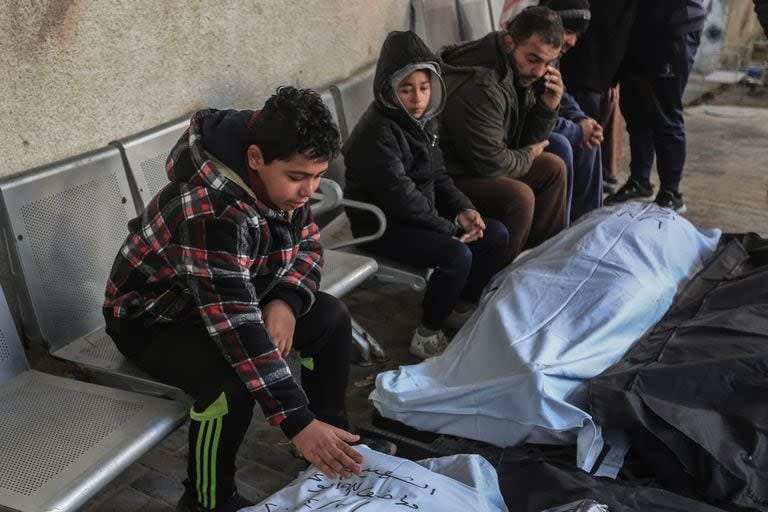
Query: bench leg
368	346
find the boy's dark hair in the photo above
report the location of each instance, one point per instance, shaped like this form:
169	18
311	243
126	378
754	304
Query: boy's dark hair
539	20
295	121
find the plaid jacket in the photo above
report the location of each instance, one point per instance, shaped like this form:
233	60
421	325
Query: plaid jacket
205	246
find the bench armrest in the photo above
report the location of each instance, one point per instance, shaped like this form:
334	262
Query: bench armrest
328	197
376	211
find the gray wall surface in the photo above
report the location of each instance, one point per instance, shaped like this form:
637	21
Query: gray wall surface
77	74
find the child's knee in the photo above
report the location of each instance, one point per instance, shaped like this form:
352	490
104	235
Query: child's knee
496	234
460	258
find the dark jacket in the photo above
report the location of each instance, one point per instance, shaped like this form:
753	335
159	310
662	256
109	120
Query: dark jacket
621	26
486	126
206	249
392	159
594	63
761	9
676	16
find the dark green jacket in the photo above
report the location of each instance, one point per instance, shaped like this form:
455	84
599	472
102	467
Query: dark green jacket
486	127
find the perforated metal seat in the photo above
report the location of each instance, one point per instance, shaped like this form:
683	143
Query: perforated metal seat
352	97
145	154
67	221
62	440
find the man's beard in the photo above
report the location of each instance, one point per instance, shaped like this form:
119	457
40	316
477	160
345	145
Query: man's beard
519	78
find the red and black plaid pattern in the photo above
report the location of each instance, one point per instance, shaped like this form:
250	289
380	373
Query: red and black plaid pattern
206	248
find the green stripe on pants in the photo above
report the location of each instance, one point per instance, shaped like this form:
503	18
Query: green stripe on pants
206	449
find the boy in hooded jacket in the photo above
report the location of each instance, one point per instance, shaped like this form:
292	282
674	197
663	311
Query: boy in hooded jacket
217	282
393	160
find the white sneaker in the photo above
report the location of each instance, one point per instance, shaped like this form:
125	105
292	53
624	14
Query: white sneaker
425	347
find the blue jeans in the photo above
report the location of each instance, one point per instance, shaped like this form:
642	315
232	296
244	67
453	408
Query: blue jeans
461	270
585	181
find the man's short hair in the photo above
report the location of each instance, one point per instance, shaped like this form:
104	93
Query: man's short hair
295	121
539	20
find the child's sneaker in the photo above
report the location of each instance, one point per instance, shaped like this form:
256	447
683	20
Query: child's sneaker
425	347
669	199
632	189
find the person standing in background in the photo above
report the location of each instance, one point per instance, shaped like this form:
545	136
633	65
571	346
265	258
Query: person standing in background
653	76
591	71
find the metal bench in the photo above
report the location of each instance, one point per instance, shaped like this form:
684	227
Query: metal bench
62	440
475	19
63	224
436	22
496	7
144	155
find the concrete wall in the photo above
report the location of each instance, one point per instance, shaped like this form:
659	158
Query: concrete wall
743	26
77	74
730	28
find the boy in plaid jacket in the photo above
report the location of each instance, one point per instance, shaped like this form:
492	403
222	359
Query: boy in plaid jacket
217	282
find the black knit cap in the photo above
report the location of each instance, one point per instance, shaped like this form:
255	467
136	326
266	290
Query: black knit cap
574	13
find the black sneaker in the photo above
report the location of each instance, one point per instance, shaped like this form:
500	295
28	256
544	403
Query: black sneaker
188	502
669	199
632	189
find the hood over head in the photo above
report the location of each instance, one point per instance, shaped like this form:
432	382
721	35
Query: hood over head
401	54
225	134
214	137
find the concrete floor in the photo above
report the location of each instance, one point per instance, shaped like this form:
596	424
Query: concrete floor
725	185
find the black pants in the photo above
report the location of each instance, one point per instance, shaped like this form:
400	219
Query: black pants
652	85
183	355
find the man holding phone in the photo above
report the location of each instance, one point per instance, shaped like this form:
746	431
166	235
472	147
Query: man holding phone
494	128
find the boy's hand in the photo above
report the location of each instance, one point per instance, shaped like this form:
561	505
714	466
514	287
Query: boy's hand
280	324
326	447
